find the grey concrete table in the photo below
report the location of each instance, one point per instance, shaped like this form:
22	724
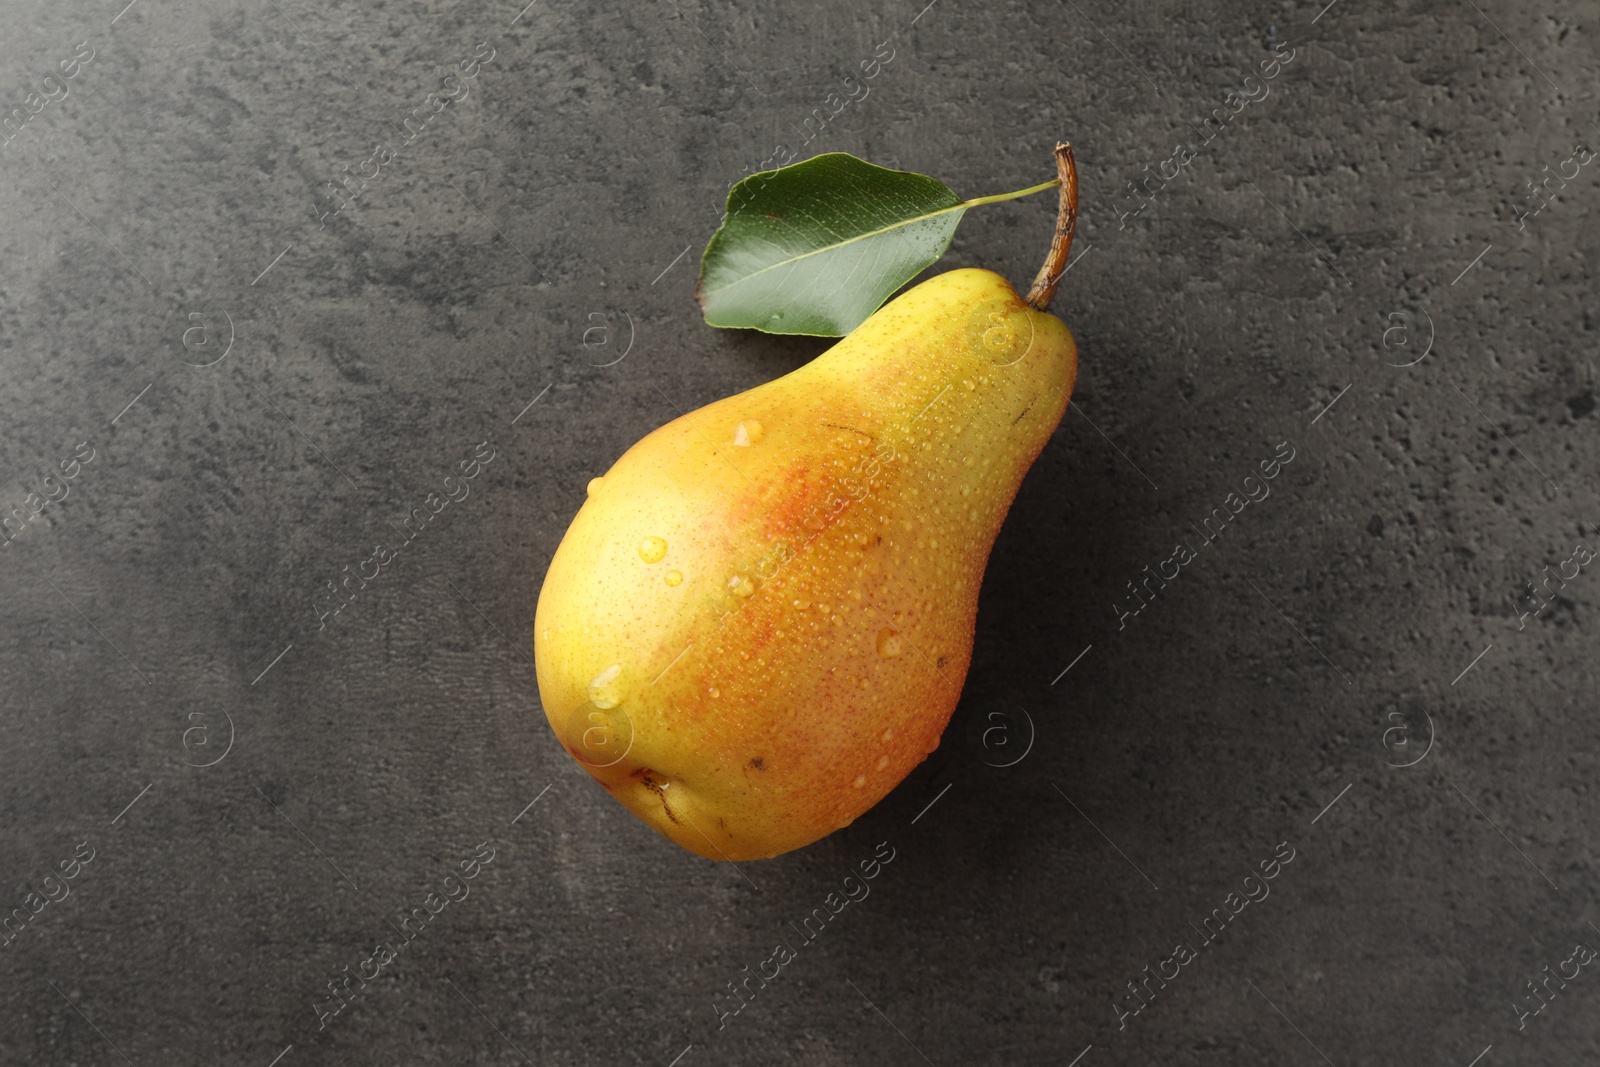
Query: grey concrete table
1324	793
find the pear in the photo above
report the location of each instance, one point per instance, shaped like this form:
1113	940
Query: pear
761	618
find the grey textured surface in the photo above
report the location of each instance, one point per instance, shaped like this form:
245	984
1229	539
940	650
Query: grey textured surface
162	613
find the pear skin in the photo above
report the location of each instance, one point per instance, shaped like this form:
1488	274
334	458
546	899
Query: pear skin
761	618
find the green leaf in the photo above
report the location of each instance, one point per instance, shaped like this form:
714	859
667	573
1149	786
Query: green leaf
816	247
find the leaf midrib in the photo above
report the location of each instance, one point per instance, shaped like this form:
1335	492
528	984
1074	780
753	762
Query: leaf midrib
962	206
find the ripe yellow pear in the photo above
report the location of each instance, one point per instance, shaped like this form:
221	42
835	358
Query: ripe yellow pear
760	620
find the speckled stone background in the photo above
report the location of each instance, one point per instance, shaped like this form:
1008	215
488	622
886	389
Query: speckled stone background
252	389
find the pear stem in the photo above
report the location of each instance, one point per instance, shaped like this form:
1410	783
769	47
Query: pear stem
1055	264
